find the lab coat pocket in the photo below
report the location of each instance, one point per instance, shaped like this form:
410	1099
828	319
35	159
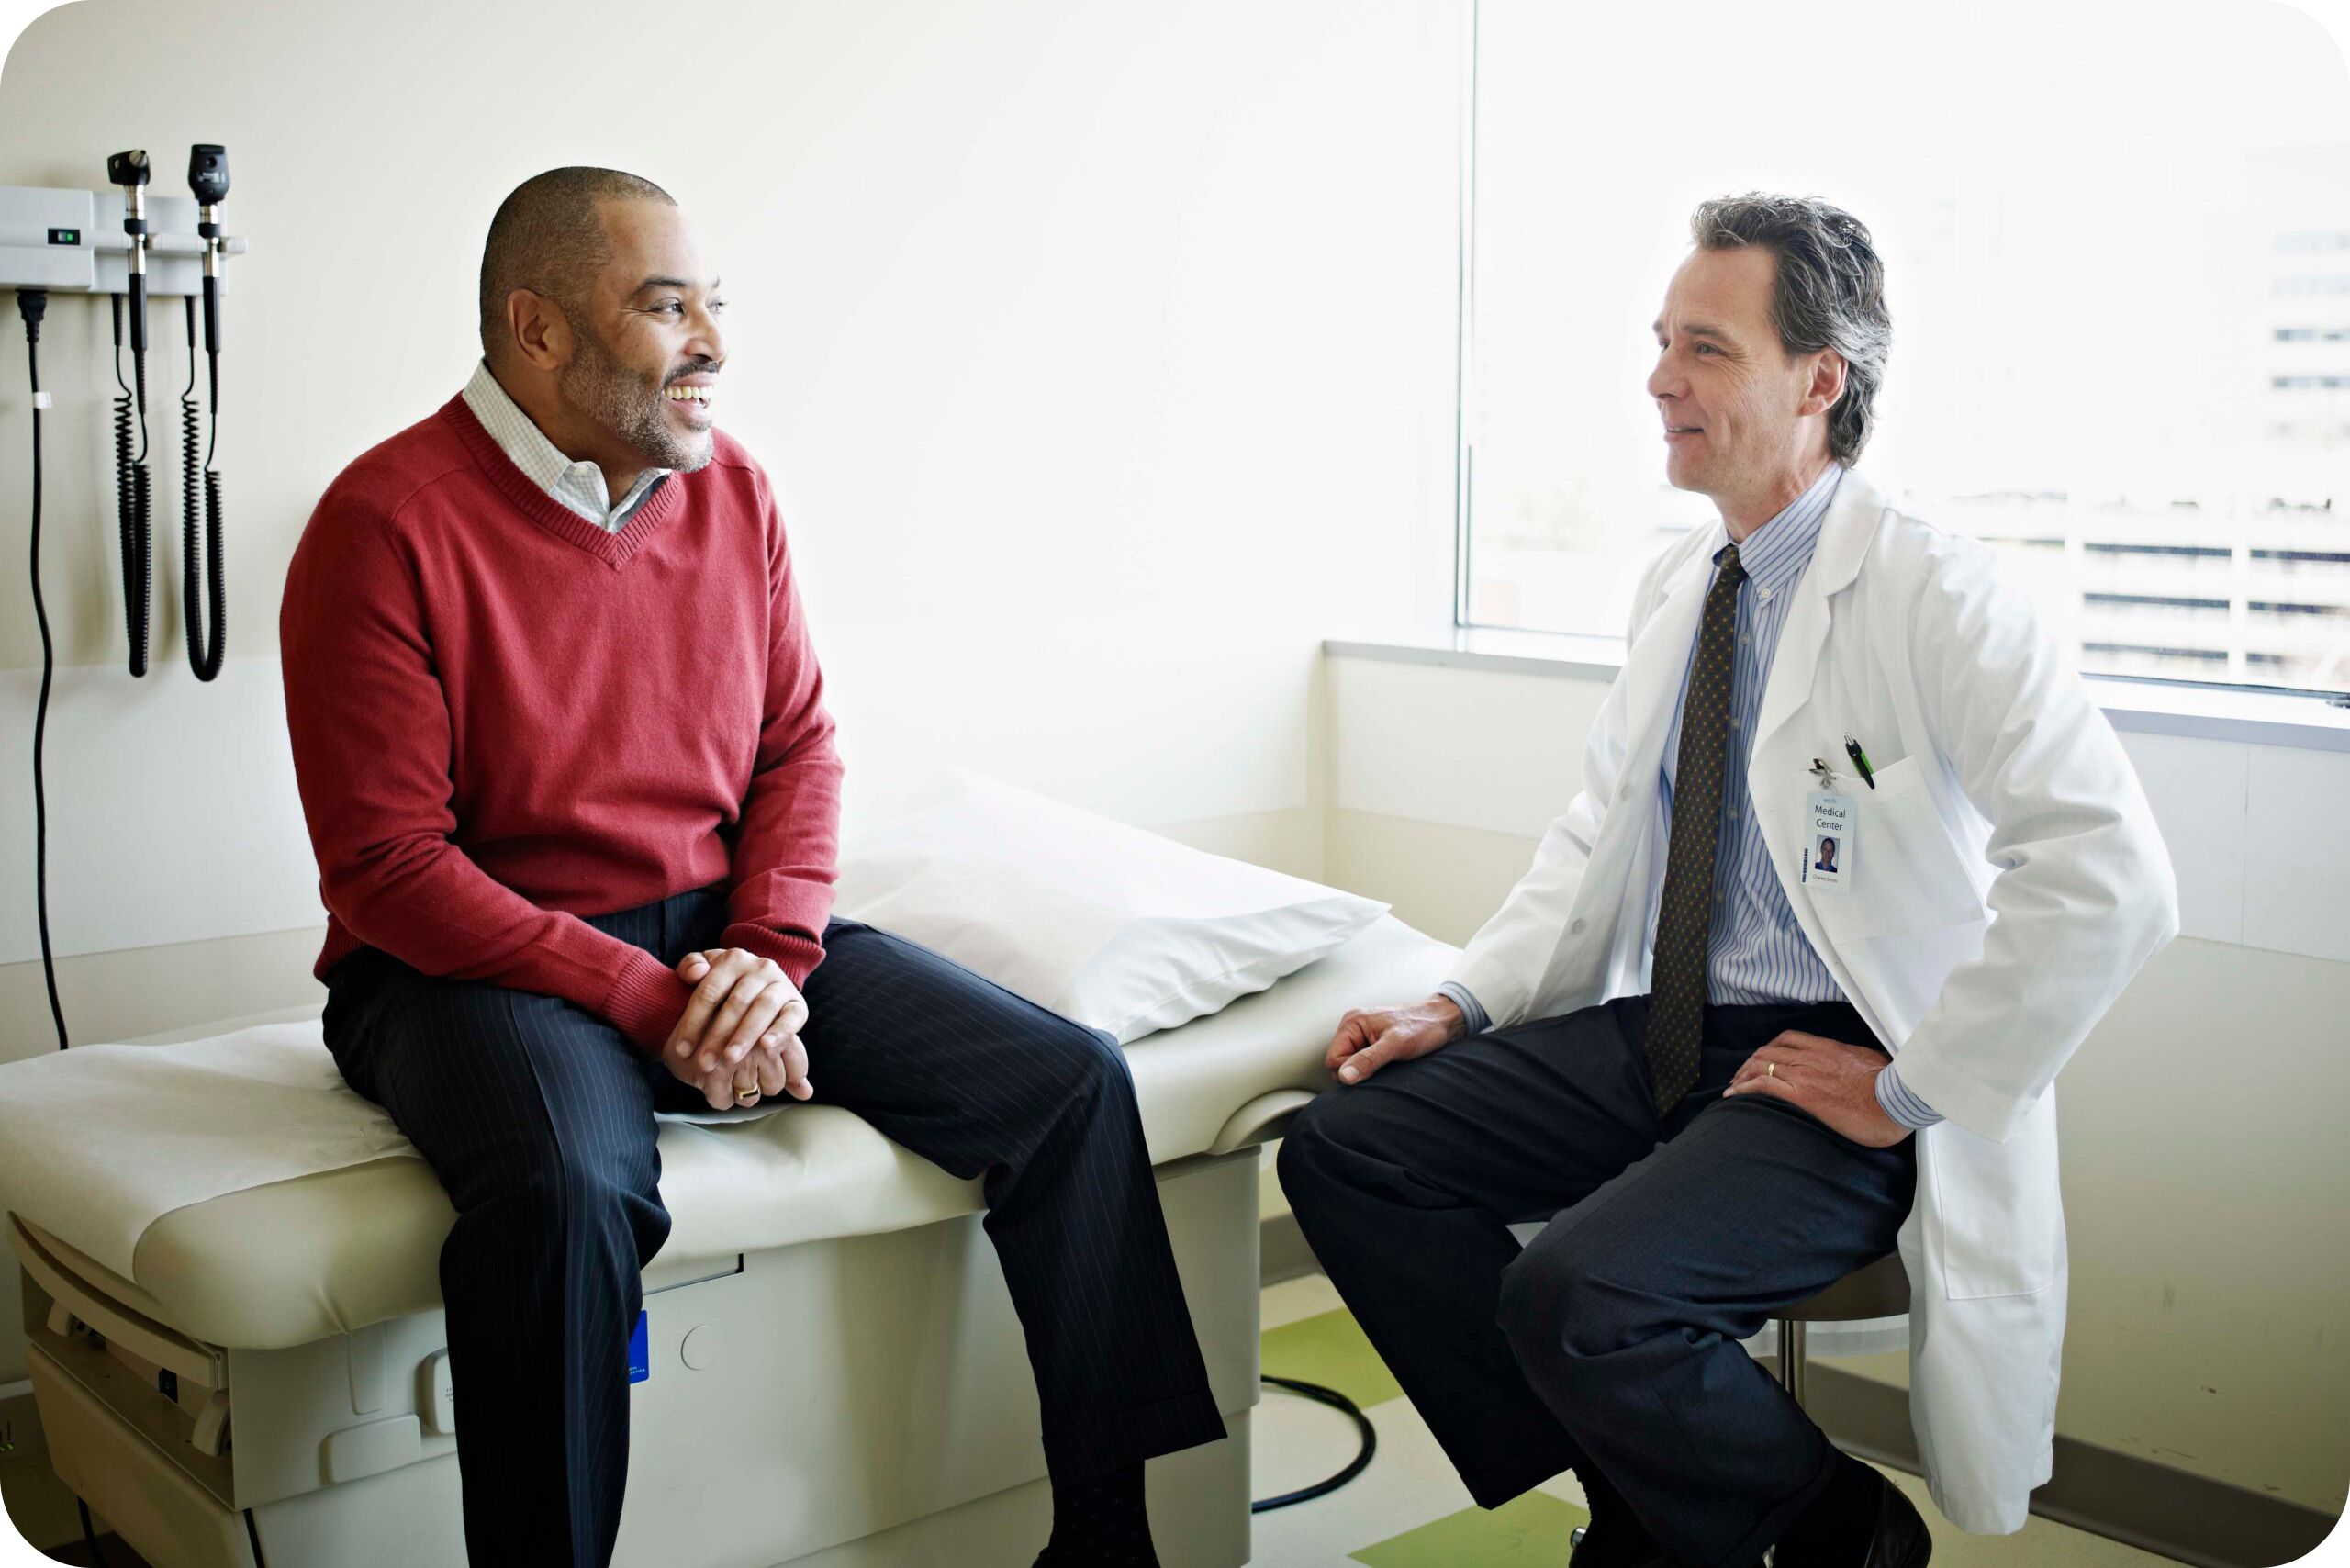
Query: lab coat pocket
2002	1218
1906	873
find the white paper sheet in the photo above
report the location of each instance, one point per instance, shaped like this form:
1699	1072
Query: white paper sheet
101	1141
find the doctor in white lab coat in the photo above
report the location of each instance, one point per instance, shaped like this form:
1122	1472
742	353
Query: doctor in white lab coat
1999	882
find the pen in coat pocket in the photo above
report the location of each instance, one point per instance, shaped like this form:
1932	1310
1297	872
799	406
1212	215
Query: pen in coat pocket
1860	760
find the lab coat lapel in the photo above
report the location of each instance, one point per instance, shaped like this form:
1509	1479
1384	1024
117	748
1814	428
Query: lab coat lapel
1796	664
1657	663
1776	768
1844	535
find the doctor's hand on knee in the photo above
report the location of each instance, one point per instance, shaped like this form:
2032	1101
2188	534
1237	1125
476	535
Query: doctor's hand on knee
1370	1037
742	1005
1834	1082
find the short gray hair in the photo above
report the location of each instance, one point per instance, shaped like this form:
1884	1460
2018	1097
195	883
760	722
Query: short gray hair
1829	293
547	237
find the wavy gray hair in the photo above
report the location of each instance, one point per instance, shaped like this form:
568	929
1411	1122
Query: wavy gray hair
1829	293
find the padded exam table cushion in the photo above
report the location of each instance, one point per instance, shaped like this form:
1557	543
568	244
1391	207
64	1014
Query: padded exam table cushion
298	1261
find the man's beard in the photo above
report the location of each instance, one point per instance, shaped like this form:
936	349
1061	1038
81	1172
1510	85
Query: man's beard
630	404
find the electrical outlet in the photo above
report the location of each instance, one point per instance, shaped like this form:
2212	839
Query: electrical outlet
37	1507
20	1435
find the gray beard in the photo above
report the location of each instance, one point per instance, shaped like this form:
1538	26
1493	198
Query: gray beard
630	405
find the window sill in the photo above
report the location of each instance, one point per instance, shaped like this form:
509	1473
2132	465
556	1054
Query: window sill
2148	707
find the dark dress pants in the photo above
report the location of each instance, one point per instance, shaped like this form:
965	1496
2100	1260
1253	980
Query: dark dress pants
537	1116
1611	1339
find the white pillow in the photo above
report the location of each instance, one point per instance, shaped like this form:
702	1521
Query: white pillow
1105	924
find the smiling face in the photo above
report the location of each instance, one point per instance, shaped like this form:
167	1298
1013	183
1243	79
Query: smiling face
1745	422
647	349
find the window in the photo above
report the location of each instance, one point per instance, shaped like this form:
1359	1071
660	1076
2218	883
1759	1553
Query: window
2118	268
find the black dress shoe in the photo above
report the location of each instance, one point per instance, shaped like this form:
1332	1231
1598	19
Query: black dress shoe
1899	1540
1585	1556
1590	1552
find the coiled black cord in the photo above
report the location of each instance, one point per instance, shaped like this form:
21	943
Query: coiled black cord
204	652
133	503
1361	1461
122	445
191	472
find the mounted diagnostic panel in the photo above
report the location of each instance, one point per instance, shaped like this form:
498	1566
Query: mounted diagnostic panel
127	244
73	243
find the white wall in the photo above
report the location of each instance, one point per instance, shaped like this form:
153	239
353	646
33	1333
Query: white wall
2204	1167
1101	353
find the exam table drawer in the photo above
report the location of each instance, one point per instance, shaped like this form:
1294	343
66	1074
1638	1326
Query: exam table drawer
151	1501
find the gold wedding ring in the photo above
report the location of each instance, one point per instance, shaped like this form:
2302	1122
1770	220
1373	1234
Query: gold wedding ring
1770	1070
746	1096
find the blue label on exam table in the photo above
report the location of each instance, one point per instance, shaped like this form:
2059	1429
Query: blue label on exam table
639	1358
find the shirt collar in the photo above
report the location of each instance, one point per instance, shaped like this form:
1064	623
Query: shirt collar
579	485
1776	554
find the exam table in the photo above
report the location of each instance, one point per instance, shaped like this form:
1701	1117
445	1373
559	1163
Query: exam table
831	1373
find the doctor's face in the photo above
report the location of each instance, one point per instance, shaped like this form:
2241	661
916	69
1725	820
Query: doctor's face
1729	395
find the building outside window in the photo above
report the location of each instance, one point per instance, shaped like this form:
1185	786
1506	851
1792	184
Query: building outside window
2118	268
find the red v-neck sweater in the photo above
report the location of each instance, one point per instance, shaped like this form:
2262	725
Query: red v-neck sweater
505	717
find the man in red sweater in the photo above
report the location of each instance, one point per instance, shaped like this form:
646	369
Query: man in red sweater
563	751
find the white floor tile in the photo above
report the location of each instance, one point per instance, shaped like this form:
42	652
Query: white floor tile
1408	1483
1291	1301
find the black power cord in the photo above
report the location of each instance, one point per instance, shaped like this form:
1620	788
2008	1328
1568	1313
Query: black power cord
32	304
1355	1467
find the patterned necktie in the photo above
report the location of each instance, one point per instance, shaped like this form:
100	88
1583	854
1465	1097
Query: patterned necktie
1683	924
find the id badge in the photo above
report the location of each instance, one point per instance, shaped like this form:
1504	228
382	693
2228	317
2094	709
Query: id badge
1828	839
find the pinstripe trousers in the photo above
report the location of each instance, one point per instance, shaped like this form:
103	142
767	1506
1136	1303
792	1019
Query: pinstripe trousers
537	1116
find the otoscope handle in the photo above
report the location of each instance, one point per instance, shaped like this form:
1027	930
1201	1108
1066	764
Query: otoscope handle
212	315
129	170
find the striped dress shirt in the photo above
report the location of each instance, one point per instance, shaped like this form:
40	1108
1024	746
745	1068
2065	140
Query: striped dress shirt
580	485
1758	954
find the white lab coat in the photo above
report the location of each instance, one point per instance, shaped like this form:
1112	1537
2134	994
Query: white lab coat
2006	881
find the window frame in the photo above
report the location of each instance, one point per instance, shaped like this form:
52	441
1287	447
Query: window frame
1466	391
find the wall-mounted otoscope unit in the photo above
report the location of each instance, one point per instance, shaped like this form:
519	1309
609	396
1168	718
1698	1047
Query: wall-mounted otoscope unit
130	245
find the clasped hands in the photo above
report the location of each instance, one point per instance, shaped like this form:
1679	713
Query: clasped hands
738	1039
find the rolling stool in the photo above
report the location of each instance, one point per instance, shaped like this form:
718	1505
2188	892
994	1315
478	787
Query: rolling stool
1879	1290
1876	1290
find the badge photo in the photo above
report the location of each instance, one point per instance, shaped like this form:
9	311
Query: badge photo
1828	839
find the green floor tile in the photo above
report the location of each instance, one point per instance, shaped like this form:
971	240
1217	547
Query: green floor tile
1329	1349
1529	1529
